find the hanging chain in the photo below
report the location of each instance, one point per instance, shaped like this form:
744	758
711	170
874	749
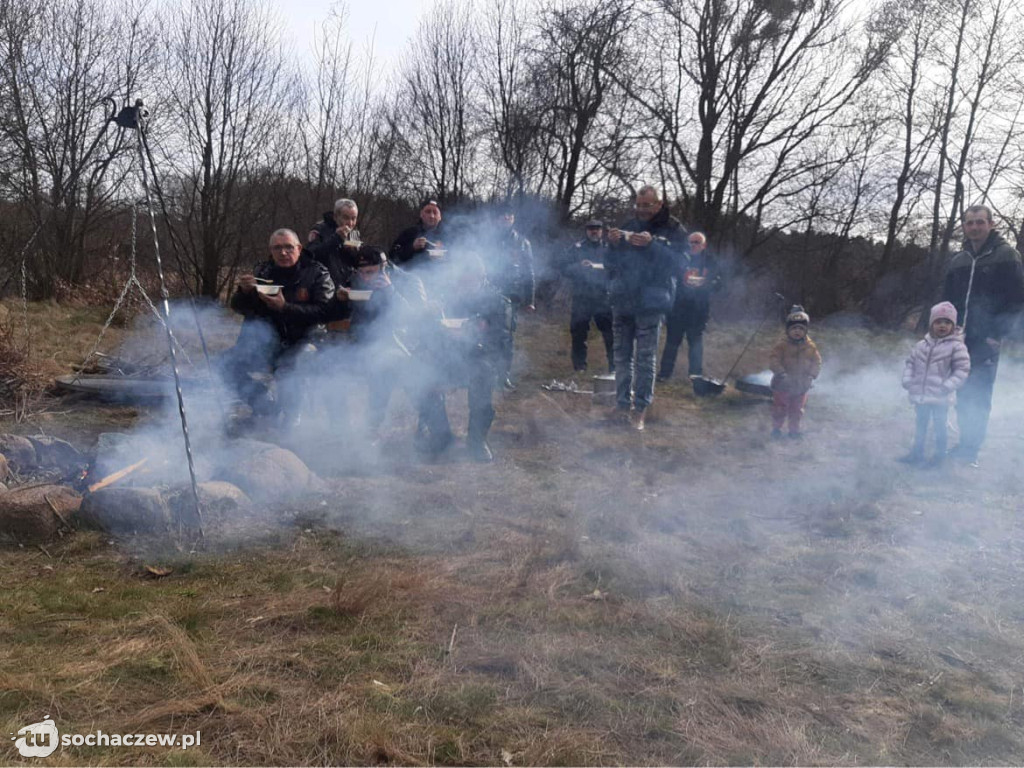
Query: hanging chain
24	284
133	279
171	341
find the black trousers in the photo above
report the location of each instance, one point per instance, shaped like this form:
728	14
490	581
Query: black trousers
678	326
974	400
579	328
434	427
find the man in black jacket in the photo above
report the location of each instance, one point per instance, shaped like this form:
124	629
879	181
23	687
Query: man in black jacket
386	328
696	278
420	244
471	354
334	241
641	284
985	283
583	265
283	300
510	270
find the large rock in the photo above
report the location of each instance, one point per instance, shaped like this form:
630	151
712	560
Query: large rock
20	452
220	500
54	453
126	510
27	515
266	472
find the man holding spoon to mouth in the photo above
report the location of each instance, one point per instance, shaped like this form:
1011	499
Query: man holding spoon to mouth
420	243
334	249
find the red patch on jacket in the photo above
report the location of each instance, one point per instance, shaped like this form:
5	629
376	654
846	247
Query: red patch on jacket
301	295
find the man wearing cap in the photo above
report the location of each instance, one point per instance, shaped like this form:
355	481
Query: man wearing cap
421	243
641	265
584	267
278	326
696	279
985	283
333	246
510	270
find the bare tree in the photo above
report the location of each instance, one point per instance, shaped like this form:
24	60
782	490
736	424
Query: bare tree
739	88
436	105
581	60
63	68
229	94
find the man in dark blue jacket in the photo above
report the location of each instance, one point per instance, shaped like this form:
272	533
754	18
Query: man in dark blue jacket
985	283
583	265
641	267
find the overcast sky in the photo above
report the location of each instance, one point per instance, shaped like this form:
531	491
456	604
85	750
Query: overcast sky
388	23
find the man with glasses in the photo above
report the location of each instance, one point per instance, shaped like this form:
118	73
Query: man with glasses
641	265
985	283
282	300
696	278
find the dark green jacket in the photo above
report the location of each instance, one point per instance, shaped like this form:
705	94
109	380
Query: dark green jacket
987	288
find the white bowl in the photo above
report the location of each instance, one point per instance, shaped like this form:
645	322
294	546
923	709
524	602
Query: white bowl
269	290
454	322
354	295
437	253
597	266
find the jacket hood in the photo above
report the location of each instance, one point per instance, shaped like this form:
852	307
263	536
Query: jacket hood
993	241
660	219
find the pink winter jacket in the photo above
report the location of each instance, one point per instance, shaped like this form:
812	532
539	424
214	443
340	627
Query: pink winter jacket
936	369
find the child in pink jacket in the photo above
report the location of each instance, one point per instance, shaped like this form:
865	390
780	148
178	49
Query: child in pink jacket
937	367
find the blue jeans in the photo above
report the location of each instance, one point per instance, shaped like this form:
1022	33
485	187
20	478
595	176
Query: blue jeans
635	336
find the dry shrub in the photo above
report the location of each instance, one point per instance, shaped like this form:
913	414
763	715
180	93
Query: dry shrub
21	381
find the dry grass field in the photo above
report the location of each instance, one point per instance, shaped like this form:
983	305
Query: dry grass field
692	594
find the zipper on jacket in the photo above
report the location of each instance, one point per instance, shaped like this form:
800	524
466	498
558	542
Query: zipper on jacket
927	367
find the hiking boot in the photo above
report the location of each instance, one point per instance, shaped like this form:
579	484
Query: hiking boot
638	421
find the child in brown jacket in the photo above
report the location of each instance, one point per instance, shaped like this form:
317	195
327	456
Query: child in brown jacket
795	363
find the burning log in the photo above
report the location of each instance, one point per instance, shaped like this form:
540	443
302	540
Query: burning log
115	476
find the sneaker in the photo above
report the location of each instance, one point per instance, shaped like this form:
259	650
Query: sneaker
508	385
432	445
795	435
638	421
936	462
663	377
776	434
580	371
619	415
480	452
973	464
